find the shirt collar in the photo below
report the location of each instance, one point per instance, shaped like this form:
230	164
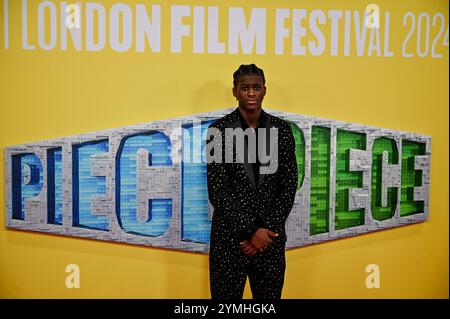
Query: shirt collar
262	120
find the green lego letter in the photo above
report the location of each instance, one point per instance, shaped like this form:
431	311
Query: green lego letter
410	178
379	145
345	179
320	180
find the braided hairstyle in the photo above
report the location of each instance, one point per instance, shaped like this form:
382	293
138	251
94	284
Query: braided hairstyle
248	69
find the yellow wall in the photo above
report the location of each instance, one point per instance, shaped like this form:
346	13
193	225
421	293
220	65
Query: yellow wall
49	94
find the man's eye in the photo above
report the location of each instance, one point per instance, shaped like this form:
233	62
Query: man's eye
244	88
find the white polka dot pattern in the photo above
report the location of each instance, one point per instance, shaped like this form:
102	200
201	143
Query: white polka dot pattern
239	208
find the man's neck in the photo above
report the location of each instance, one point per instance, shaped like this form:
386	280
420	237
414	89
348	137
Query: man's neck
251	117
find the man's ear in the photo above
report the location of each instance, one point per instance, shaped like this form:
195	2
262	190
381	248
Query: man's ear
264	90
234	92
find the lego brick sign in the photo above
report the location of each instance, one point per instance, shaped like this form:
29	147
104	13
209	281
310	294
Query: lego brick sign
146	184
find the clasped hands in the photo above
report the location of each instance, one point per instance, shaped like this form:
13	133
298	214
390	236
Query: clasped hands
260	240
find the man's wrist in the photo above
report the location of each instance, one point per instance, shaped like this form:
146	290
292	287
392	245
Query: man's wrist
248	233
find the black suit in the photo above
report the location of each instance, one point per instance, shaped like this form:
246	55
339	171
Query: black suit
242	204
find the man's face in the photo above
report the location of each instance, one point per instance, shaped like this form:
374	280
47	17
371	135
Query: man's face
250	92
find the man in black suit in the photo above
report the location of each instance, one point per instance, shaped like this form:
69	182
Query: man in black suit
252	193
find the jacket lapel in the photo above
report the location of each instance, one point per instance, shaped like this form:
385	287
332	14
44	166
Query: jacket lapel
247	166
268	125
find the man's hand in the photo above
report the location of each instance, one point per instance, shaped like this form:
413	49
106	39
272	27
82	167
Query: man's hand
258	243
247	248
262	238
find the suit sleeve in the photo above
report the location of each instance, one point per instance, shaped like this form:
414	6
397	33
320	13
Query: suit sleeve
232	204
278	212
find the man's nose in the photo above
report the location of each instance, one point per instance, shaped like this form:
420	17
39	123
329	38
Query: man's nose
251	92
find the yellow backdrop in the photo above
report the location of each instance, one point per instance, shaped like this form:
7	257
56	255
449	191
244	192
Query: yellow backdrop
46	94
